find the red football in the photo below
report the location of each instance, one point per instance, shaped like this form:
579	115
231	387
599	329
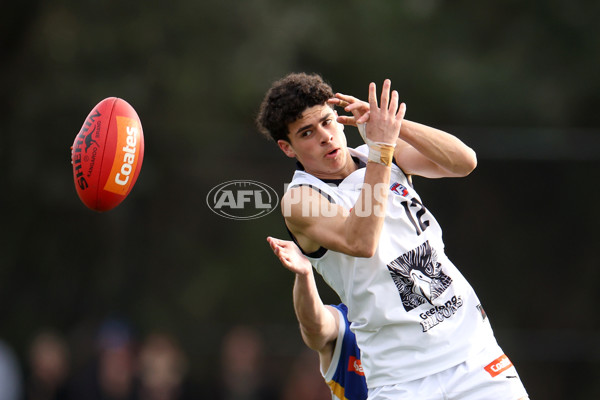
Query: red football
107	154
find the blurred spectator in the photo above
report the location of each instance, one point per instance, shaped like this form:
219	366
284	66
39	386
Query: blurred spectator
48	367
242	373
111	375
305	381
11	380
162	368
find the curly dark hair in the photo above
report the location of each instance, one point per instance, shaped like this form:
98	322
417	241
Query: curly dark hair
287	99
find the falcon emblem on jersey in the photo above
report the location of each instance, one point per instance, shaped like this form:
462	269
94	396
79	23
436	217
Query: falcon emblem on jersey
418	276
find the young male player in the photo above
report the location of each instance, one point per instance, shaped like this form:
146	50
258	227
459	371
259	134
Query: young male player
419	324
324	329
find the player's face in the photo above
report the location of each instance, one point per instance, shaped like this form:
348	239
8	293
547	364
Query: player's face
318	142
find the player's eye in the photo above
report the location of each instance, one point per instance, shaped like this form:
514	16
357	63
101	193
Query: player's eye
305	133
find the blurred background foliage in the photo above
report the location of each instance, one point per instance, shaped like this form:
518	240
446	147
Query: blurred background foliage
516	80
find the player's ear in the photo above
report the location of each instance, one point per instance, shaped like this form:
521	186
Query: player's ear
286	147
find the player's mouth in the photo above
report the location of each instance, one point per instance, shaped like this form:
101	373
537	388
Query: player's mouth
333	153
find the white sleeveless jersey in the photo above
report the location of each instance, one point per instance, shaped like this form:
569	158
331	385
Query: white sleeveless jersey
412	311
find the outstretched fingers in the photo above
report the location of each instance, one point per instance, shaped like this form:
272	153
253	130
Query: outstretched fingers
385	94
288	253
346	102
356	107
361	110
401	112
393	107
341	100
385	103
373	96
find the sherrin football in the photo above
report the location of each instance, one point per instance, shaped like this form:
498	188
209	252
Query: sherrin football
107	154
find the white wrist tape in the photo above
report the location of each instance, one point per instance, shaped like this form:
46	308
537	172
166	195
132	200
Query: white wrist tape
379	152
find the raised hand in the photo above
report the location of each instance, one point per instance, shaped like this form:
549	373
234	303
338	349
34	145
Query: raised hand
290	256
358	108
384	119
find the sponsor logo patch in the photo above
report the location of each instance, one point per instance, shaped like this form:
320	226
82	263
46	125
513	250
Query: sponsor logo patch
498	366
354	365
126	156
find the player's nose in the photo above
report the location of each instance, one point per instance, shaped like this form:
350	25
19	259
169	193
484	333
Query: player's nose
325	135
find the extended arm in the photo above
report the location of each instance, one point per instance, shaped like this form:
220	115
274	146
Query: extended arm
318	323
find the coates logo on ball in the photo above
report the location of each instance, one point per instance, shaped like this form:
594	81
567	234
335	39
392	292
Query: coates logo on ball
242	199
107	154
